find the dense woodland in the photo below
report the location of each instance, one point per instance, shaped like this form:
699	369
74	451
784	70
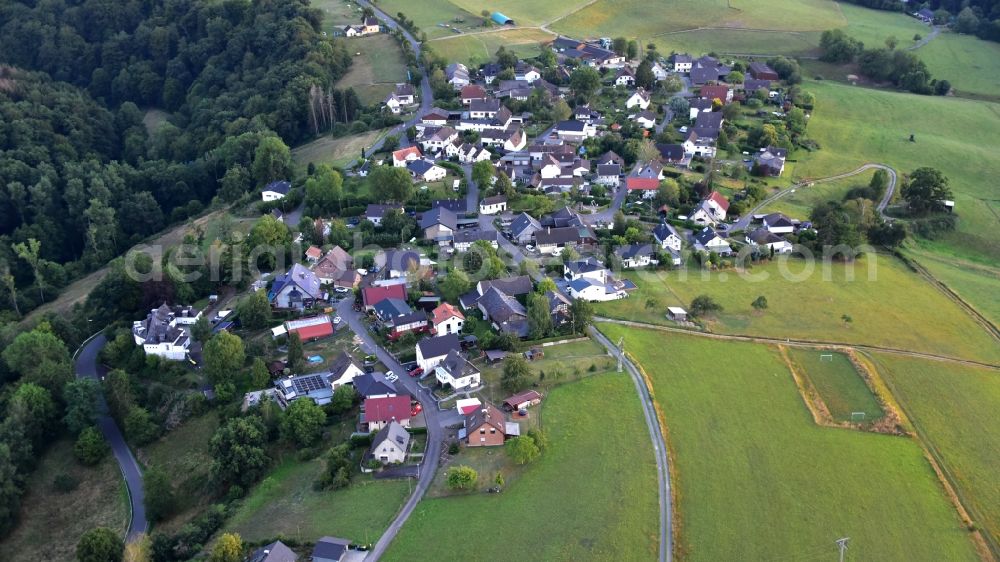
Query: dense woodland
78	172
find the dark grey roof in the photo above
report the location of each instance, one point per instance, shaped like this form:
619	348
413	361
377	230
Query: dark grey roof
453	205
762	236
474	234
700	103
394	432
397	260
585	265
609	170
487	105
634	250
523	222
438	346
705	236
558	235
571	125
671	152
341	364
457	366
329	549
709	120
419	167
664	230
390	308
680	57
367	385
778	219
281	187
415	317
500	307
379	211
563	216
496	199
514	286
439	215
753	84
610	157
274	552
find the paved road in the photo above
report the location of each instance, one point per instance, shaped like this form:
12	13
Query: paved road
435	418
607	215
659	446
472	191
86	366
747	217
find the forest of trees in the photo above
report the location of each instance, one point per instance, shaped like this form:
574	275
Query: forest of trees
81	180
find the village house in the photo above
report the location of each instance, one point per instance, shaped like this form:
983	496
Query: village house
447	319
625	77
276	551
403	156
595	291
434	140
334	266
574	131
465	238
329	549
375	213
370	296
455	371
390	444
275	190
504	312
439	224
636	255
485	427
522	401
298	288
435	117
553	240
646	119
457	74
761	71
426	170
526	72
380	412
645	178
719	92
673	154
770	161
397	263
493	205
162	333
559	307
707	240
640	98
682	62
432	351
697	106
523	228
659	72
343	370
588	267
373	385
609	175
697	144
778	223
307	329
668	239
770	241
313	254
472	92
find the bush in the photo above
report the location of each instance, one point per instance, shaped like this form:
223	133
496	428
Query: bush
90	447
64	483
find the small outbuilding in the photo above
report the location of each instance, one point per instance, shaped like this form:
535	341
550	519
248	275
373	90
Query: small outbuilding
501	19
522	401
677	313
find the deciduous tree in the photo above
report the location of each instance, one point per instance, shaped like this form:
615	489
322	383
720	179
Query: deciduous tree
224	355
516	373
462	477
522	450
303	423
100	545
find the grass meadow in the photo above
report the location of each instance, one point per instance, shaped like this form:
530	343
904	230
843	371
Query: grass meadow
341	151
854	125
590	496
838	383
377	68
428	15
976	283
813	309
954	408
969	63
337	13
475	49
800	203
51	522
746	451
525	12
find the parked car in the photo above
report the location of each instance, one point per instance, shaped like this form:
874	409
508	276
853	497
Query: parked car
342	290
337	319
417	372
391	377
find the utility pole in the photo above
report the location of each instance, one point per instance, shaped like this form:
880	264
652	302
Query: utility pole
842	545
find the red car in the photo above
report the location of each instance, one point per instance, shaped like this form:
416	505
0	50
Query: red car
417	372
417	408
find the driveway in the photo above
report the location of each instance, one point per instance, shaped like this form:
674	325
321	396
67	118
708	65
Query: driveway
86	366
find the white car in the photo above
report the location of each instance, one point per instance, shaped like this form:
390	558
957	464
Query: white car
336	319
341	289
391	377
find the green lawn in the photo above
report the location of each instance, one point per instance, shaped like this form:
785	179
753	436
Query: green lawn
838	383
525	12
873	26
337	13
976	283
184	454
378	66
739	41
800	203
855	125
970	64
479	48
341	151
51	522
756	479
955	409
430	14
591	496
285	504
896	309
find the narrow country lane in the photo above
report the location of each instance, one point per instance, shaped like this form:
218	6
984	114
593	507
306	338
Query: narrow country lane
86	366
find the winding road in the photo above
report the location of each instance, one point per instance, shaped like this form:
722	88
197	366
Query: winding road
659	445
747	217
86	366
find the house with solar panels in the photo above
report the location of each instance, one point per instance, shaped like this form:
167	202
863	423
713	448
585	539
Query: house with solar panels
315	386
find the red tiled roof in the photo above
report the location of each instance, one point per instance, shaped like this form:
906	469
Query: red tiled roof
402	153
387	409
473	91
718	198
316	331
642	183
374	295
715	92
314	252
445	311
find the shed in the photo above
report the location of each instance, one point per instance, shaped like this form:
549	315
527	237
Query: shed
522	400
501	19
677	313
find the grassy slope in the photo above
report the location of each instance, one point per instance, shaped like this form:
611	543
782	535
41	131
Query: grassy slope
856	125
479	48
336	151
51	523
801	203
977	284
955	409
812	309
376	70
757	480
286	504
583	500
427	14
838	384
970	64
524	12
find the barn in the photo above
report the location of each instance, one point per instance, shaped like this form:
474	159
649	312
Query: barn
501	19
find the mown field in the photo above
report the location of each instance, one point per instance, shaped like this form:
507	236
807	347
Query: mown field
756	479
337	13
476	49
428	15
855	125
51	522
378	66
838	383
976	283
341	151
955	410
969	63
800	203
897	309
591	496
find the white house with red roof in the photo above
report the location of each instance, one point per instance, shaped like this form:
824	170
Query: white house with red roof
645	178
710	210
447	319
403	156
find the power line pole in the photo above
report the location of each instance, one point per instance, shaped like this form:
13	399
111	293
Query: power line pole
842	545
